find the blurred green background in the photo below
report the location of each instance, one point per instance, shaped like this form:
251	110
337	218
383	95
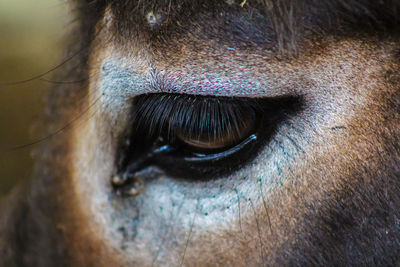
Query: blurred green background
31	43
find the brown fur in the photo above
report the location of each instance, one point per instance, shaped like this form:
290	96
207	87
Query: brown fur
333	193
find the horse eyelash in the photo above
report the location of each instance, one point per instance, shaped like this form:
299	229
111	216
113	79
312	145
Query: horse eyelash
158	114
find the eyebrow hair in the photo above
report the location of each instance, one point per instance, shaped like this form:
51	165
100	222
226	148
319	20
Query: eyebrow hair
289	18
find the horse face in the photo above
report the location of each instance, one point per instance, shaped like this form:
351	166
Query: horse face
233	133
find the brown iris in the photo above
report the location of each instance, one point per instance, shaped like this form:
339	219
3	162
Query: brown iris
234	130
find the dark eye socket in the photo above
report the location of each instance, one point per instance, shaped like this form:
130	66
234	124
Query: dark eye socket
199	137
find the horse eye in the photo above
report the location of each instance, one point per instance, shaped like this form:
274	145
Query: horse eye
198	137
218	132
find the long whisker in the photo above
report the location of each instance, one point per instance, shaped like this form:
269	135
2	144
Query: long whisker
62	82
258	229
265	206
168	230
240	217
85	47
190	233
46	72
66	126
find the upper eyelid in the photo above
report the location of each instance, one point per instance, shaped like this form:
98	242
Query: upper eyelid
193	114
116	78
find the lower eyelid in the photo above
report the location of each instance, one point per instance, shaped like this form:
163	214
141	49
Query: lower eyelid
218	141
204	144
224	154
